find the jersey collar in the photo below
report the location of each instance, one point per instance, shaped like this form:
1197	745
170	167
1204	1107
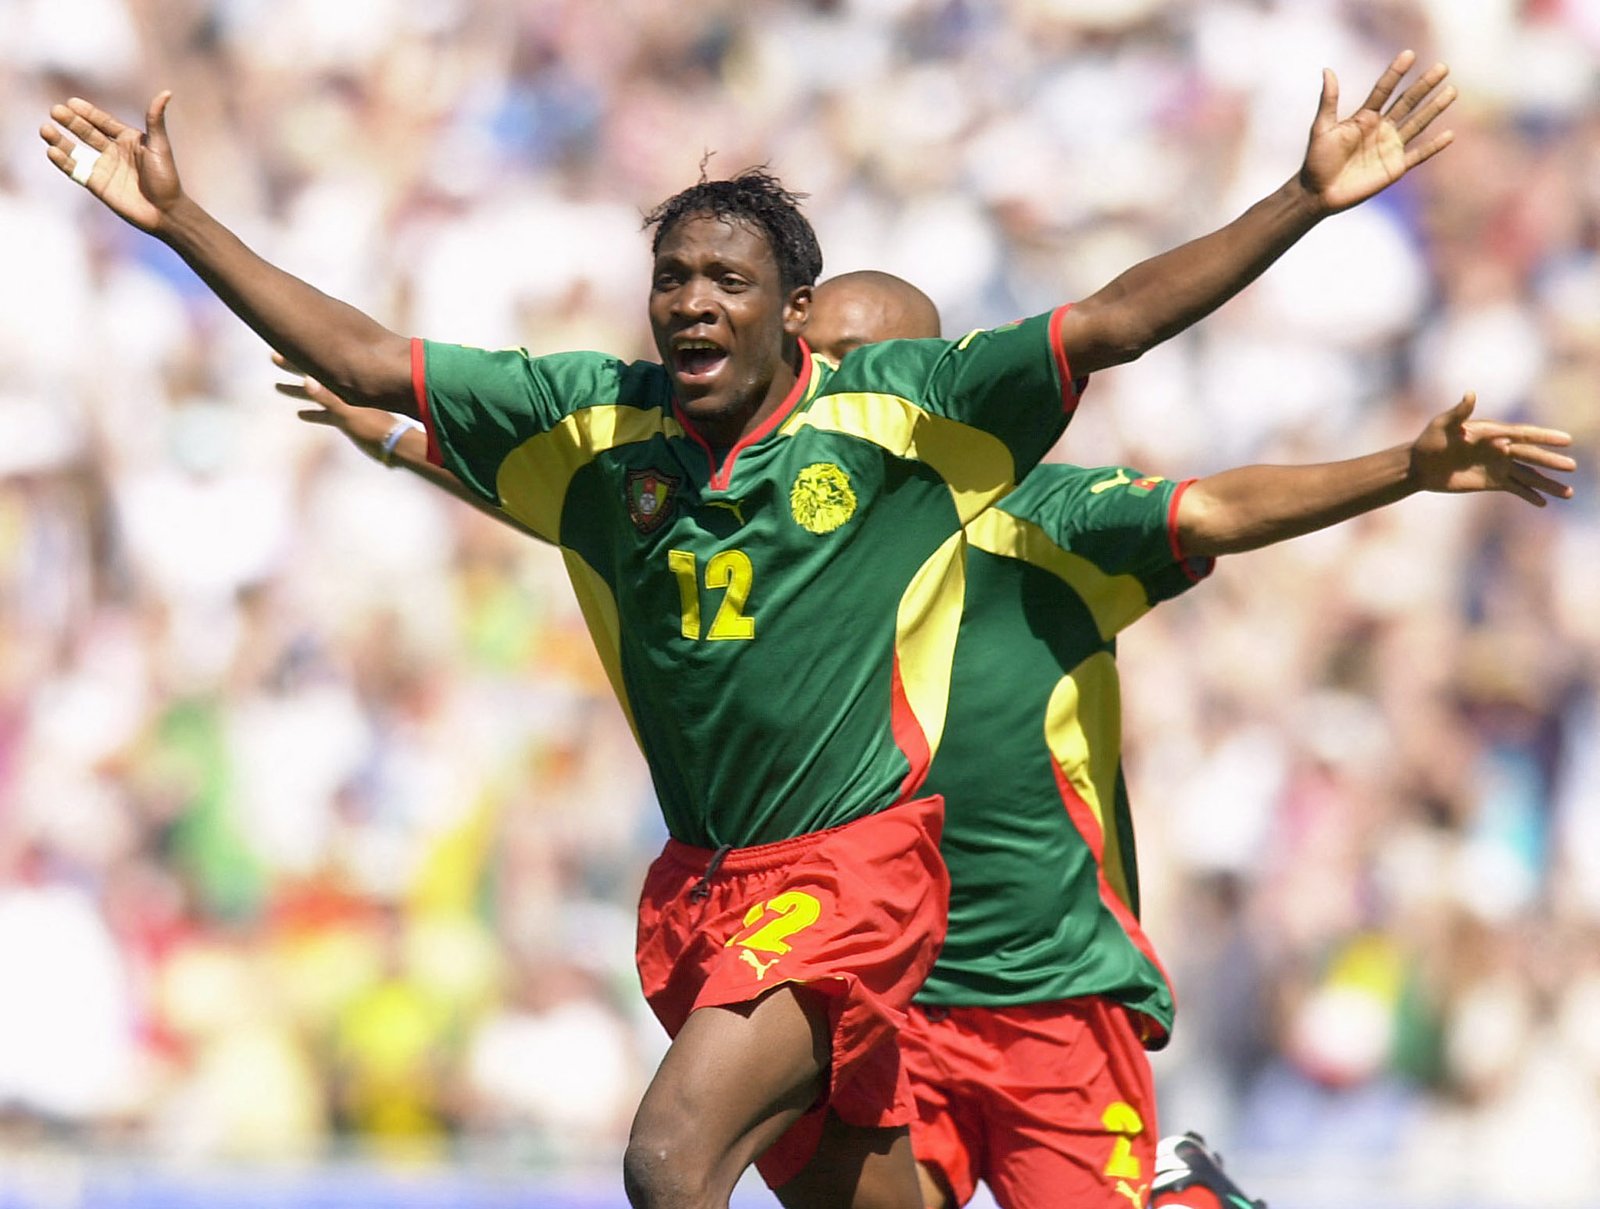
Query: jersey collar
804	386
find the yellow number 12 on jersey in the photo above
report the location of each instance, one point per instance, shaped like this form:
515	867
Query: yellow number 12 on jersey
731	572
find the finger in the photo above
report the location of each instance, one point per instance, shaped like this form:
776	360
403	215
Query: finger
1327	104
318	393
83	130
1533	455
288	366
1532	480
155	121
59	148
1391	77
1527	433
97	117
1421	155
76	163
61	159
1419	121
1515	486
1462	410
317	417
1413	96
53	135
294	390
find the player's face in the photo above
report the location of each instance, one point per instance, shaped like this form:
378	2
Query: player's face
721	318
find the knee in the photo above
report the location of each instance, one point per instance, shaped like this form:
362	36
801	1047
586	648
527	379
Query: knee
660	1170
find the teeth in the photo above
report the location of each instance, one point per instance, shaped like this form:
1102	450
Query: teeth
698	344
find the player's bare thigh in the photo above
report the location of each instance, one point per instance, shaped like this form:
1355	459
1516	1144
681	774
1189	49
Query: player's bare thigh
732	1082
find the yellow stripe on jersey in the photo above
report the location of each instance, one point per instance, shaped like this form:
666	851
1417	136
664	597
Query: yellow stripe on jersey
1115	601
599	605
1087	743
975	465
925	629
533	479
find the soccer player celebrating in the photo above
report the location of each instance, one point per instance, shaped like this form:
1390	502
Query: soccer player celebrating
1026	1044
743	516
1026	1047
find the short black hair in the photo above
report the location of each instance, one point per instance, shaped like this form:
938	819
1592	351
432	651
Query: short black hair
758	198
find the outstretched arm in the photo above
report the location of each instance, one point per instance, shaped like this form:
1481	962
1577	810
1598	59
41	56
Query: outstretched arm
1346	162
371	430
134	174
1256	506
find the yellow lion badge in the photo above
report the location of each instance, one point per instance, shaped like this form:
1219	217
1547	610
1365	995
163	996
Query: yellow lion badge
822	498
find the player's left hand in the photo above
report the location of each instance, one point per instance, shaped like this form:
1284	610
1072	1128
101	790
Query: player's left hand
1459	454
365	427
1350	160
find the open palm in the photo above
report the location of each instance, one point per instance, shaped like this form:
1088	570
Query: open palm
1348	161
135	175
1457	454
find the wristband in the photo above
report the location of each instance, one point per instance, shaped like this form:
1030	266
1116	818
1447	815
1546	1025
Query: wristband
391	439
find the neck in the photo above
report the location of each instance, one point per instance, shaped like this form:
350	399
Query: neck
722	432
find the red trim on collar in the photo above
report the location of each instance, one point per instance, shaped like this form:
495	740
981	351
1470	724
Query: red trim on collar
721	474
419	388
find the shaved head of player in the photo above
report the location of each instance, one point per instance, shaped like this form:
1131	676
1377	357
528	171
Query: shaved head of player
864	307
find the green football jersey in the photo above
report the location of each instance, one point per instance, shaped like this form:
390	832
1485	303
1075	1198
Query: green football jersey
777	619
1044	887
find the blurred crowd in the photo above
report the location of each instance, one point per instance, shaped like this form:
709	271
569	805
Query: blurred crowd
319	831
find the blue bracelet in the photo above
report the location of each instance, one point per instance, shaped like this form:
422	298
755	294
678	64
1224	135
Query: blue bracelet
391	439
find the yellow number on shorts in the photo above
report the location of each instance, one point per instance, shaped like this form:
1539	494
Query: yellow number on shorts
1124	1120
732	573
795	910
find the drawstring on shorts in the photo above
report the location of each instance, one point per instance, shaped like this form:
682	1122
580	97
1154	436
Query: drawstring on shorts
701	890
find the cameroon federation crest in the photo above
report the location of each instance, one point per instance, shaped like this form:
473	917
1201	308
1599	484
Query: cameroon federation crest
822	498
650	495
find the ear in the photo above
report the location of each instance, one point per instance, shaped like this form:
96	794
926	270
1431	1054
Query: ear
796	310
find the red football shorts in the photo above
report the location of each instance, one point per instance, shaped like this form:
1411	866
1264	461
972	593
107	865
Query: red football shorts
856	912
1049	1104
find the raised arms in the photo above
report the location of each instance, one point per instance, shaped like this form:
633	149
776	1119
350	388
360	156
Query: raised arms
1346	162
136	177
1256	506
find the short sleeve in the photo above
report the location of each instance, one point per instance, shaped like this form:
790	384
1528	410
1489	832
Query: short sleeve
479	406
1121	521
1012	381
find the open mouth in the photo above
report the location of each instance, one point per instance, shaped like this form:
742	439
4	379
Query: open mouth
698	360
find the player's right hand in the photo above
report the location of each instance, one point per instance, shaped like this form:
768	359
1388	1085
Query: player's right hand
135	175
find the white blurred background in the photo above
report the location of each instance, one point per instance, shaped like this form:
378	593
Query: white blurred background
319	831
